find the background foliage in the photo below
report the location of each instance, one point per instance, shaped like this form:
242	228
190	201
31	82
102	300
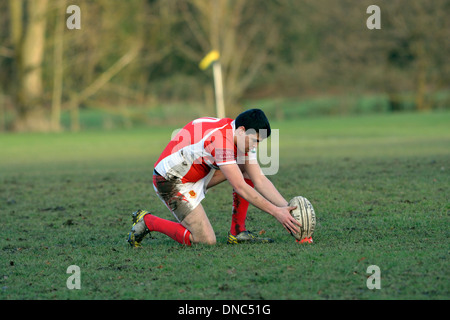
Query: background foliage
136	59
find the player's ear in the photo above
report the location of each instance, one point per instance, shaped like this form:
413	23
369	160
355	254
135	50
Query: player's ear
241	130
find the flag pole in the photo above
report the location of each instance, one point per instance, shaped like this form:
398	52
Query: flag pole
218	89
212	58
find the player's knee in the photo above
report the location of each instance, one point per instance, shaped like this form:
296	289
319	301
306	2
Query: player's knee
211	241
207	239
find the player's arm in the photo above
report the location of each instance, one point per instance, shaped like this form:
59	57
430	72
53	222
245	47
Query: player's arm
263	184
281	213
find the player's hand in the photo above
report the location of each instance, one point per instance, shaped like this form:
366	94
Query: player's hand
283	215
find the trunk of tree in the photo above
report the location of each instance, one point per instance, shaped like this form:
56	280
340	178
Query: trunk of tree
58	68
29	55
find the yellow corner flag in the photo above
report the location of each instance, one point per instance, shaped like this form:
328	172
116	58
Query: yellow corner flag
208	59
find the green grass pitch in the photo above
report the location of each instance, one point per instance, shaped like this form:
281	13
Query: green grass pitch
379	185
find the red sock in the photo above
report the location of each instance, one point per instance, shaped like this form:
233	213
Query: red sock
240	207
172	229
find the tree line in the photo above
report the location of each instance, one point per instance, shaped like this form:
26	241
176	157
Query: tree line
146	52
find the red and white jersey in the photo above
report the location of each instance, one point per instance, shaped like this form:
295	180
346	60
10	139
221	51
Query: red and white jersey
202	145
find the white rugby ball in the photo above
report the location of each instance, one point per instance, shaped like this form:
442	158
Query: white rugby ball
305	215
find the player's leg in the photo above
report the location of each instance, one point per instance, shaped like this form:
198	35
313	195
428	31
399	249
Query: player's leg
195	227
238	231
240	205
240	208
174	230
144	222
239	211
199	226
183	200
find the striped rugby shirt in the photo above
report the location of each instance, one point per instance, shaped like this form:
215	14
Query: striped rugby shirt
202	145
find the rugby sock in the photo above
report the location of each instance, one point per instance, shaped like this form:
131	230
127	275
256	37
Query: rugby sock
240	207
172	229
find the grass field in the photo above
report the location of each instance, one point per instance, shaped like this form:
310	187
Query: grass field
379	185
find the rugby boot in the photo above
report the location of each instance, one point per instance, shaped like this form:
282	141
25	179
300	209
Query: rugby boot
139	229
246	237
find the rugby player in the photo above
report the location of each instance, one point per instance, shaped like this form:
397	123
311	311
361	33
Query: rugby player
206	152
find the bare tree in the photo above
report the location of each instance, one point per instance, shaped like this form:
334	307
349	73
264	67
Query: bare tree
242	31
58	66
29	42
119	45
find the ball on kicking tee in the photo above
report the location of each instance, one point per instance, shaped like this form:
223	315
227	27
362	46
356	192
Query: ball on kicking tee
304	213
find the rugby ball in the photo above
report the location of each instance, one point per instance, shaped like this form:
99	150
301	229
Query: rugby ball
304	213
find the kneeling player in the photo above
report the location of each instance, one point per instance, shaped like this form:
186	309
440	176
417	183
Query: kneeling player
206	152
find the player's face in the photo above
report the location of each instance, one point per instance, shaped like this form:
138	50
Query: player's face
247	141
251	142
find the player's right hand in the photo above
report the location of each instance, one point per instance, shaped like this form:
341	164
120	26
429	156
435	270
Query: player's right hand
283	215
